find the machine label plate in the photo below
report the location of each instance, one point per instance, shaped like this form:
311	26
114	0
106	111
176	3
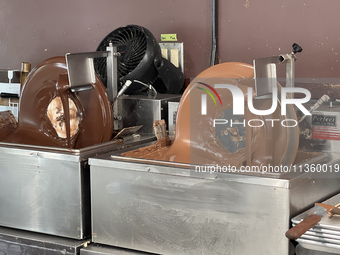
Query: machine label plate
325	127
324	120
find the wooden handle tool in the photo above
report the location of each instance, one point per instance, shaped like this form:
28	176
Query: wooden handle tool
301	228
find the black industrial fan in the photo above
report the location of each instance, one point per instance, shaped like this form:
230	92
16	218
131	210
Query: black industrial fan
140	61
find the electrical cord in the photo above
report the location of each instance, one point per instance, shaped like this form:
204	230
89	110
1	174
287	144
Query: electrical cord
149	86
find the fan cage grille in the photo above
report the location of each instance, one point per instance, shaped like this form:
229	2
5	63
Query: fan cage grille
131	43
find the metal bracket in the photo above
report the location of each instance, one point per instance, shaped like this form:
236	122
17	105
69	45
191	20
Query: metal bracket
81	72
265	76
265	72
289	60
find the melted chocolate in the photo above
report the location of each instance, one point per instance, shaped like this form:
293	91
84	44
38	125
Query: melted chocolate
47	81
196	141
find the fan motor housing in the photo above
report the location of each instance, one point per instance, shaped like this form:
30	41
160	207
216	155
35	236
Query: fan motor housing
140	59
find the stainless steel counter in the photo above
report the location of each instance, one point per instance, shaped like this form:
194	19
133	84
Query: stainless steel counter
169	209
47	190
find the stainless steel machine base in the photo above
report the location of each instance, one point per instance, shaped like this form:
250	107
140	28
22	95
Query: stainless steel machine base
138	110
47	190
17	242
166	208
